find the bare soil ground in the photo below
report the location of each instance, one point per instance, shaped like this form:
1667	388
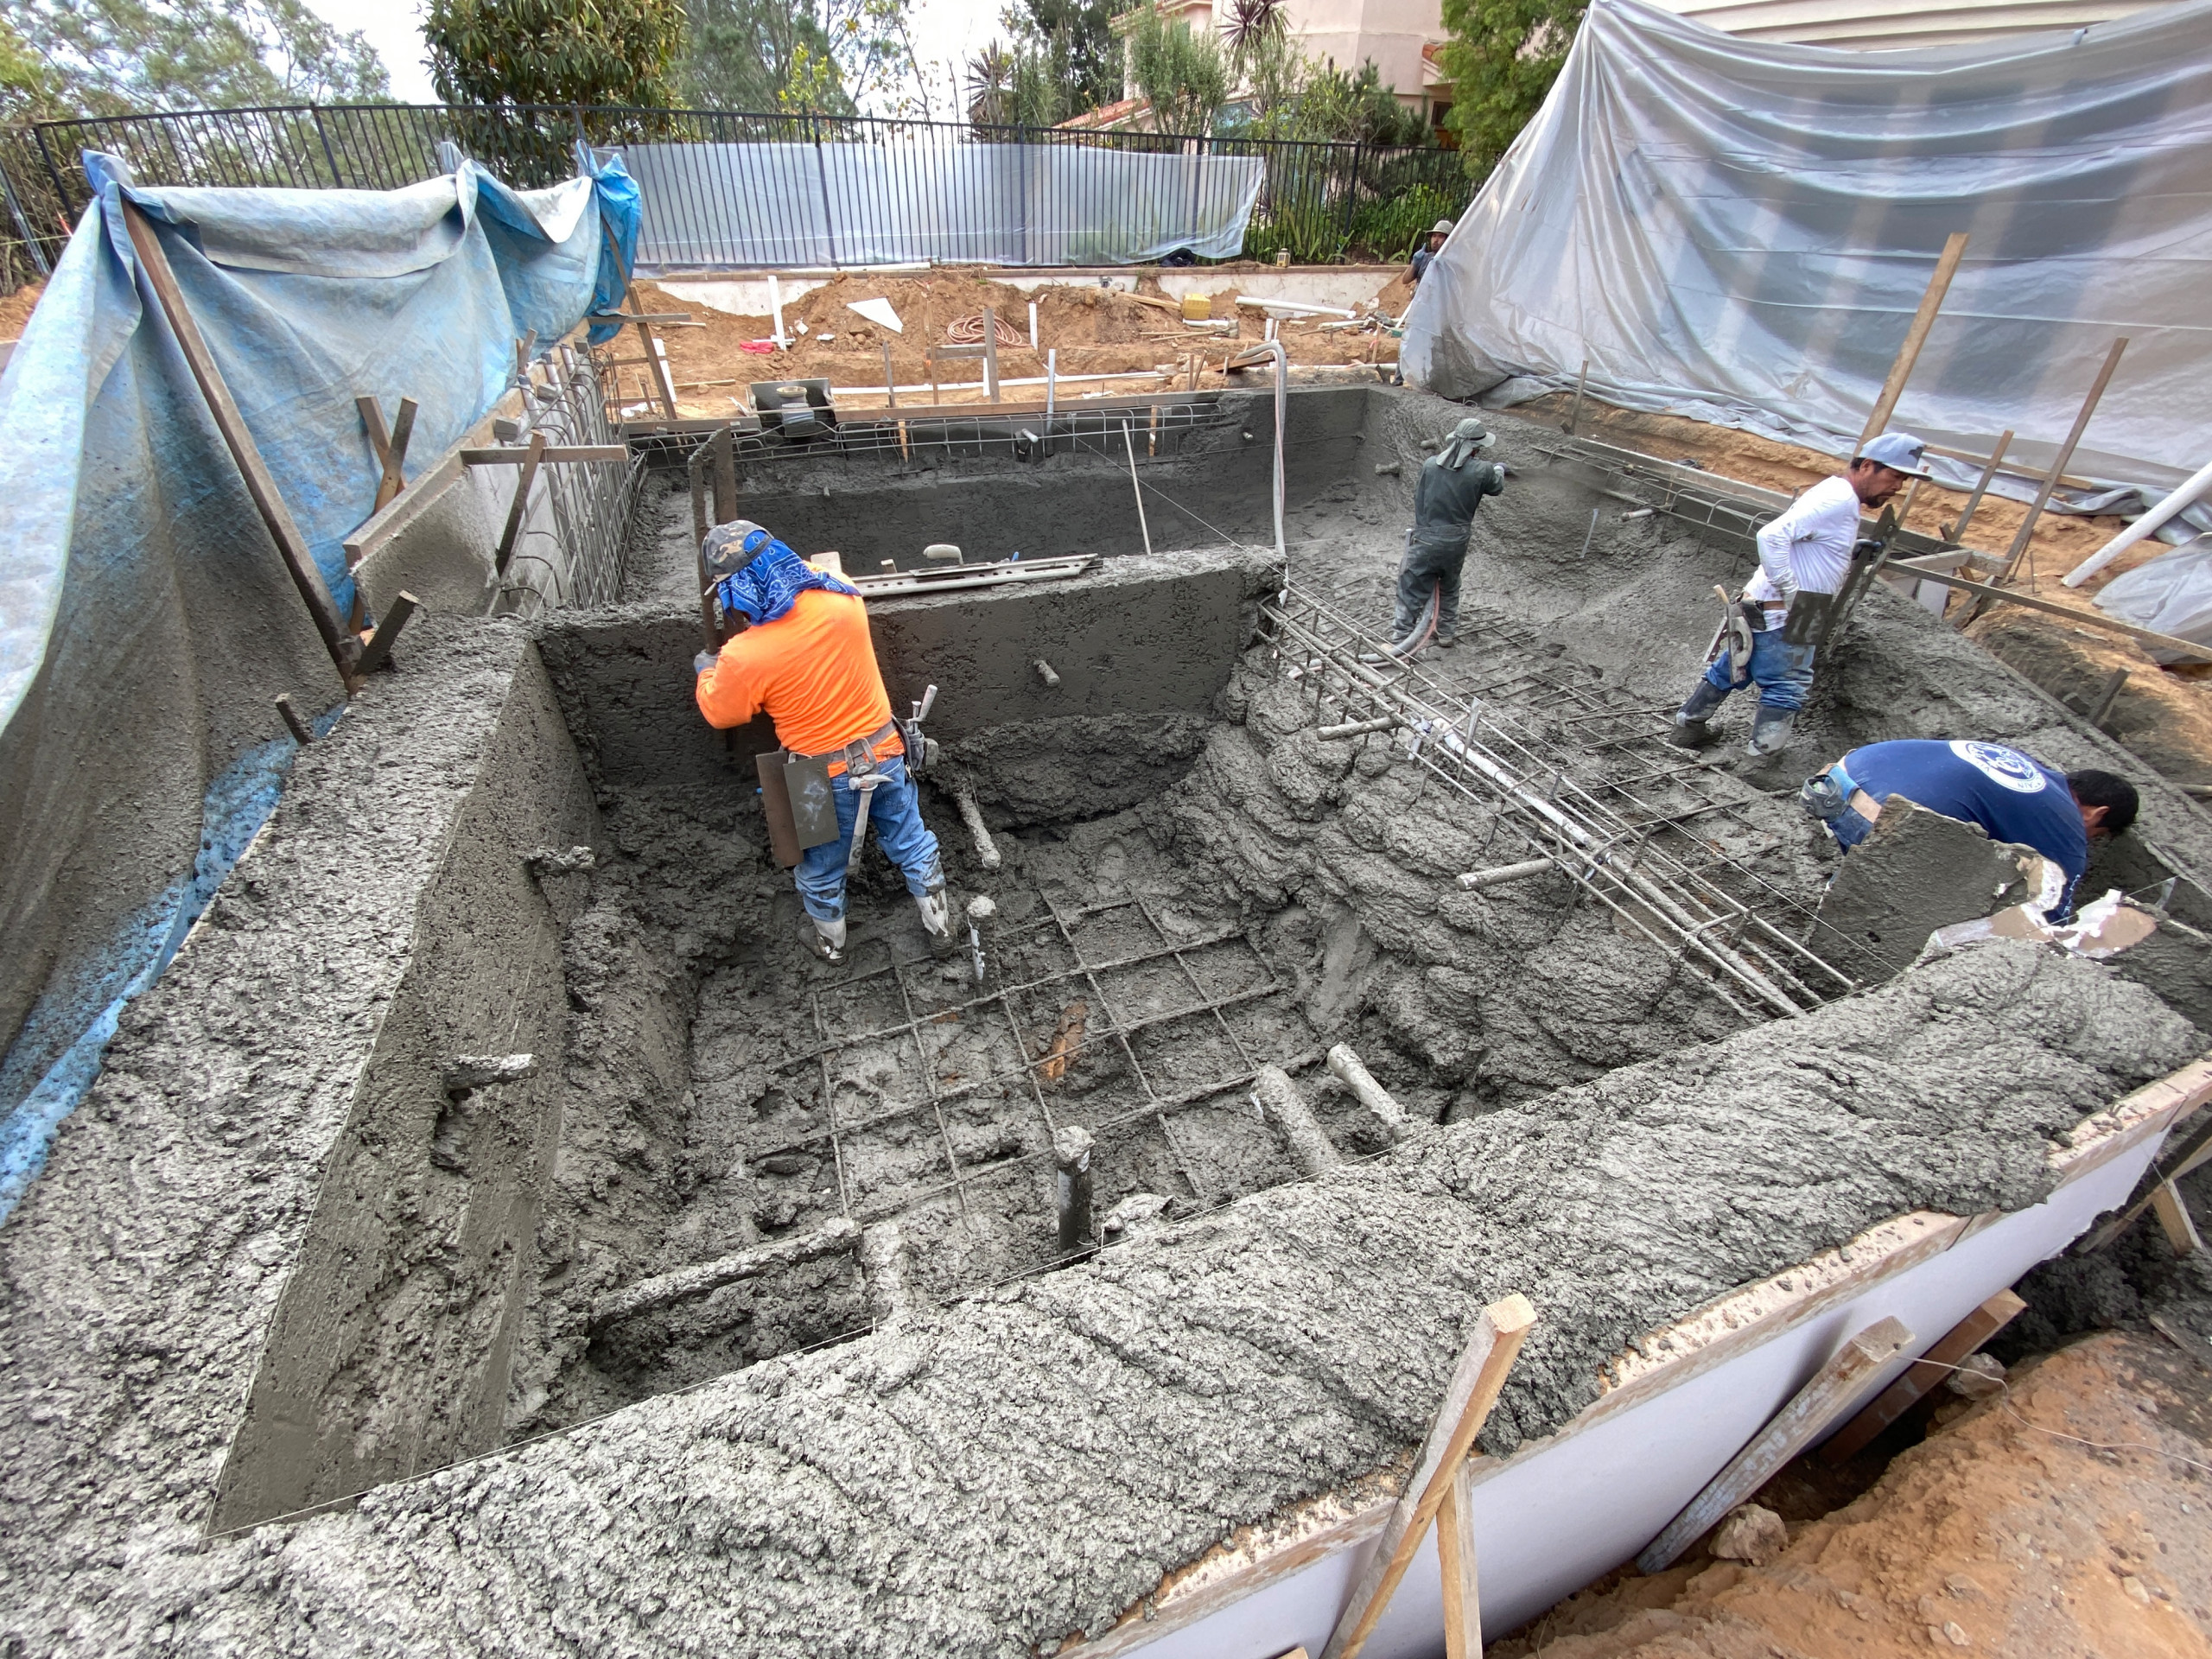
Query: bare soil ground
15	309
2164	714
1095	331
2065	1518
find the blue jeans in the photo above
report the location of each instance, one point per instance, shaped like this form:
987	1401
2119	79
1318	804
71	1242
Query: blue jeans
894	819
1782	673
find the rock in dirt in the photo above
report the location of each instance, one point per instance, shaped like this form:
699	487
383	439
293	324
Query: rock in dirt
1749	1533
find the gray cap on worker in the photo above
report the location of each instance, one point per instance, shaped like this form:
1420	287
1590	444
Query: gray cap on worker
1466	438
1442	227
1898	451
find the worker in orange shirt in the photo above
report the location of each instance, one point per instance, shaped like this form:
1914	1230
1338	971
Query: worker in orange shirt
805	655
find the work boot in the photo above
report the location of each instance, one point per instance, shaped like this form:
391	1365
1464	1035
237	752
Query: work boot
1771	731
1444	641
937	916
825	939
1690	731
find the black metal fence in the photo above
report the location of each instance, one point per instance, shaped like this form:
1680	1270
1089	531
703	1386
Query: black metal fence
1319	201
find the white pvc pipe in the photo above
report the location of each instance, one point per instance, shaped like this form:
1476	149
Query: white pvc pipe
2142	527
776	304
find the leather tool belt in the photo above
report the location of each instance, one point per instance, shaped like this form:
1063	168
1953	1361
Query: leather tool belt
859	755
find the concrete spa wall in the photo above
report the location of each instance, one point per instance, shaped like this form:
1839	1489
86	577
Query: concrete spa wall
270	1261
1142	648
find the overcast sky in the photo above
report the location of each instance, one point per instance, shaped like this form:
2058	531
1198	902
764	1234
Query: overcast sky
945	31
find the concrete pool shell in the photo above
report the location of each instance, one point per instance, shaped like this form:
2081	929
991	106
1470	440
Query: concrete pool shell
341	1266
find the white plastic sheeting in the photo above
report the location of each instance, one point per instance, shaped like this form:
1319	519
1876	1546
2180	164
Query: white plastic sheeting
781	206
1741	232
2172	594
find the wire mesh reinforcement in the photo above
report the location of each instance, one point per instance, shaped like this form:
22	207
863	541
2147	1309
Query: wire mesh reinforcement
577	559
1319	202
1109	987
1603	797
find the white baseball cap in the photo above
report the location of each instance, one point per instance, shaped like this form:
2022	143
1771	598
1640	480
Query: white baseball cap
1898	451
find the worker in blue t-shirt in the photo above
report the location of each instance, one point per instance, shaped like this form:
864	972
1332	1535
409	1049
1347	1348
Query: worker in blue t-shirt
2013	797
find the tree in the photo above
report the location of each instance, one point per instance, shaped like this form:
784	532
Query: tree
1331	106
1502	56
1072	41
825	57
26	92
554	51
1184	75
109	57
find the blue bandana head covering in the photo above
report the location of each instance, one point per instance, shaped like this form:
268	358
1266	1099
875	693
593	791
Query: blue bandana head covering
758	574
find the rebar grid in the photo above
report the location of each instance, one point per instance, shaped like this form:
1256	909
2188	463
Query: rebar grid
592	502
1501	757
1158	433
1112	1029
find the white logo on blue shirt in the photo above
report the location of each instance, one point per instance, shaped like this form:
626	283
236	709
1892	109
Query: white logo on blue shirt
2000	765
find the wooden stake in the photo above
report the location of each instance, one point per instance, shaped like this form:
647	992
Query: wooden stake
1957	533
302	733
1816	1405
2167	642
1455	1557
390	450
1498	1334
376	648
1923	1374
2026	533
522	500
2173	1217
1574	409
2108	696
1947	266
890	380
725	453
291	546
990	355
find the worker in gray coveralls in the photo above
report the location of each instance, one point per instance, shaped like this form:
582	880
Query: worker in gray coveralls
1451	485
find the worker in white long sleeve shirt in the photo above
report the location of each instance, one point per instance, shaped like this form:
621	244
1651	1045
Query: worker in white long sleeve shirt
1806	551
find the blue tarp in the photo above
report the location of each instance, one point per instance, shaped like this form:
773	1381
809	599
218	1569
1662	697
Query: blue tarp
146	621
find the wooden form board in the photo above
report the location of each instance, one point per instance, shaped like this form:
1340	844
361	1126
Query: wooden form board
1311	1551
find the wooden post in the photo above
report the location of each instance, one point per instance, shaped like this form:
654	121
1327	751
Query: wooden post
1498	1334
1455	1558
1574	409
1816	1405
291	546
2107	695
1923	1374
522	500
725	448
890	380
1957	533
2174	1218
302	733
990	354
2019	547
375	650
391	449
1947	266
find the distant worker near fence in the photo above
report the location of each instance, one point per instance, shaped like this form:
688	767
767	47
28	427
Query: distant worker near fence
1431	245
1773	630
2011	795
805	658
1451	485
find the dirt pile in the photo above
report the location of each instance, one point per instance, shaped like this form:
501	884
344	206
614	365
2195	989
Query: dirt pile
2003	1533
1094	329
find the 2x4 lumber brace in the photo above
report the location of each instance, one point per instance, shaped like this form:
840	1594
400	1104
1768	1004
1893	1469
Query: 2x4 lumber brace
2179	646
391	447
1816	1405
268	500
1455	1558
1939	283
376	648
2018	550
531	458
2173	1215
1923	1374
517	454
1500	1330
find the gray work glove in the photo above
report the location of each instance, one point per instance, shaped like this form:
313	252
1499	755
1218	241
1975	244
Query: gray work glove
702	662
